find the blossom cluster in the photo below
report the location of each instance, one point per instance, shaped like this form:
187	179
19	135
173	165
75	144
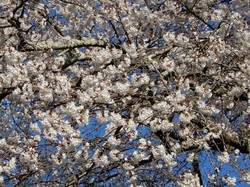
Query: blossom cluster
123	91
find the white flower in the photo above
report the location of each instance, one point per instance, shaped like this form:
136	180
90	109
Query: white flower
131	125
176	97
72	109
206	146
181	39
230	105
159	166
143	143
145	114
84	117
121	88
214	110
131	50
102	56
1	179
155	125
168	65
101	117
159	152
115	155
140	80
246	177
116	53
12	163
89	81
3	143
236	91
35	128
169	161
25	157
184	84
216	16
127	61
51	134
190	157
102	161
117	119
104	96
110	128
224	157
169	36
237	151
84	97
166	125
46	95
176	147
188	179
132	30
113	141
133	135
160	106
211	178
184	133
139	156
231	181
132	179
185	117
128	166
199	89
75	141
81	154
55	160
5	2
58	63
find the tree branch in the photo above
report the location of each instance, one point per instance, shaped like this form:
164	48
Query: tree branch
5	93
63	44
235	141
196	15
196	167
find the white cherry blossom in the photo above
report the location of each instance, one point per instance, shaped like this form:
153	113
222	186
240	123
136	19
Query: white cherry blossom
121	93
224	157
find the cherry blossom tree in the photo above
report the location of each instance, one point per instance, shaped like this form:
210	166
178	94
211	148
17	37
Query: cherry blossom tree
124	93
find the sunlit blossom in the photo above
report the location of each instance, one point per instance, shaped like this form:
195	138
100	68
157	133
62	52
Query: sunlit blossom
224	157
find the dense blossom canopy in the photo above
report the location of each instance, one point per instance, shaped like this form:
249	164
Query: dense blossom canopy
124	92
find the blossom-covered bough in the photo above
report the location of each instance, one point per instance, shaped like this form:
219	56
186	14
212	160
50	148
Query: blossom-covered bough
126	92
